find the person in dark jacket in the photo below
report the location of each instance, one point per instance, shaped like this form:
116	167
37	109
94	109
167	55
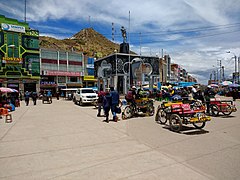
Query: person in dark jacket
101	95
235	94
208	94
107	102
34	98
27	95
115	101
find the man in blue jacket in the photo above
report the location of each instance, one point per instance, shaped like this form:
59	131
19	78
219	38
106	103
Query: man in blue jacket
115	102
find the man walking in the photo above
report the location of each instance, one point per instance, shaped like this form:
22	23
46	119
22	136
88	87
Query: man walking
115	101
34	98
27	95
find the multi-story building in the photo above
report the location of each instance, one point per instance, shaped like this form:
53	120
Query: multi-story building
175	73
19	55
163	70
61	70
88	79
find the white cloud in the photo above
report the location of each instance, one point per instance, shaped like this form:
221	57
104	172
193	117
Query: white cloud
155	19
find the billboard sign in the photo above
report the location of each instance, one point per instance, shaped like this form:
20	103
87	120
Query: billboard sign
11	27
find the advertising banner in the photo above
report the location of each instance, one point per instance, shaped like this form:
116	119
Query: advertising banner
11	27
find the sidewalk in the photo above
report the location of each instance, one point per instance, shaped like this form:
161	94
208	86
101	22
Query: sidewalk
65	141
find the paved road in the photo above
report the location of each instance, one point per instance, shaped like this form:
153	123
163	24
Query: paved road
66	141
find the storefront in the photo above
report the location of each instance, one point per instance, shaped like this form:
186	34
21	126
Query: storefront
19	55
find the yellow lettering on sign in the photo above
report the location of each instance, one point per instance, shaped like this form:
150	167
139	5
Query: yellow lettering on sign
12	59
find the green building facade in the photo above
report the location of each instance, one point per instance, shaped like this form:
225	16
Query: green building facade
19	55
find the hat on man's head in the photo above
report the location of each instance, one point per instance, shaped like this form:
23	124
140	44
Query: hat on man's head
133	87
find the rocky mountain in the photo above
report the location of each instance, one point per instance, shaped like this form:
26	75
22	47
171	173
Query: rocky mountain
87	41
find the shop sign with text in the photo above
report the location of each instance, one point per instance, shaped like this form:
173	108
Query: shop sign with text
62	73
11	27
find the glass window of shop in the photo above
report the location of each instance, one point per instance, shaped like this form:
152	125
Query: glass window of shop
49	66
49	54
1	38
1	64
74	57
61	79
75	68
31	63
73	79
13	44
30	42
62	56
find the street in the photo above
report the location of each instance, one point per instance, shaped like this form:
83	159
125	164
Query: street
66	141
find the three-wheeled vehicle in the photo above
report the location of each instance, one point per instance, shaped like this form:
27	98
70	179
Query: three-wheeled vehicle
47	99
143	105
178	114
224	106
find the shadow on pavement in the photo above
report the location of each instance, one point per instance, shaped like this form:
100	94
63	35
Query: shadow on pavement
188	130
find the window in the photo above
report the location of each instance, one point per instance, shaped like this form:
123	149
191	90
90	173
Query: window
73	79
87	91
30	42
12	44
31	63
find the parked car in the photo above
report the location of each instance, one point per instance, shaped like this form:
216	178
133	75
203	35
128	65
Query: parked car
85	96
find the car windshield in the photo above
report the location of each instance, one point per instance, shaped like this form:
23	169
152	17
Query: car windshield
87	91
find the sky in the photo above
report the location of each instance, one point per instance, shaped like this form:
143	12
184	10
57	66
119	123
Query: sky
197	34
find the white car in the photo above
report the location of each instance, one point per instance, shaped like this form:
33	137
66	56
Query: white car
85	96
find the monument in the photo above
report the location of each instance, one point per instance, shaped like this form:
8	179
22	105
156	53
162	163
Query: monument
124	47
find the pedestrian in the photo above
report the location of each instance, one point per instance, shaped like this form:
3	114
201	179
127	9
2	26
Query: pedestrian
26	96
101	94
131	96
208	94
235	94
34	98
57	95
115	101
107	102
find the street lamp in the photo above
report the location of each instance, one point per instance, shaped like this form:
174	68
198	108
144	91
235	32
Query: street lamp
235	58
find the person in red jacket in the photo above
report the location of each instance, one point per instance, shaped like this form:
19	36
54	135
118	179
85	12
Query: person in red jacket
101	94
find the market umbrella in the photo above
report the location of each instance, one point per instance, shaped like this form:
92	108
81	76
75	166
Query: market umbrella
233	85
226	83
214	85
7	90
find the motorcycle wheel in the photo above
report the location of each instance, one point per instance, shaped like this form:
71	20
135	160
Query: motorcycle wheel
151	110
127	112
175	122
214	110
161	116
199	125
227	111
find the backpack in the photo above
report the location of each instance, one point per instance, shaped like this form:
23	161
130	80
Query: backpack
129	95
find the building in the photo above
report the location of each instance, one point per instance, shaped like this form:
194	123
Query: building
88	79
60	69
123	70
19	55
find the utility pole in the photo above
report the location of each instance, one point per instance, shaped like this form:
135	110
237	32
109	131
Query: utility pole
140	43
220	70
112	31
25	11
223	78
235	73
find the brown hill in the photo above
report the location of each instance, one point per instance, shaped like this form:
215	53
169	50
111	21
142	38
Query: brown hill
87	41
